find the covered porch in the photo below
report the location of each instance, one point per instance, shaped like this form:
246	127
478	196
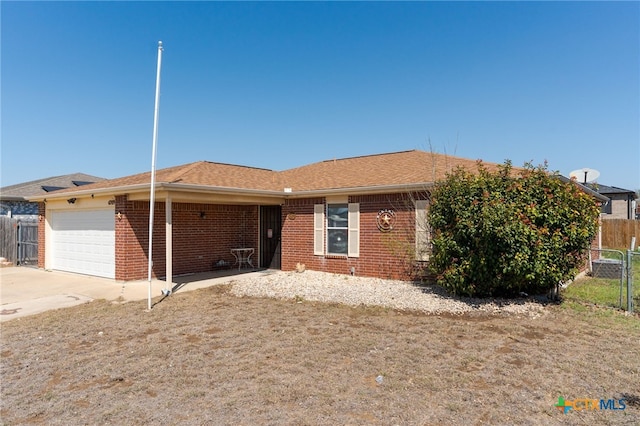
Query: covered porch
196	232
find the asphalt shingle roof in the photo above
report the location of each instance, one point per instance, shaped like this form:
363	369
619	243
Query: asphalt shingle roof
40	186
199	173
604	189
396	168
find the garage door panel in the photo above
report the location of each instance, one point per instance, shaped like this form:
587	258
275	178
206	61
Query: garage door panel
84	242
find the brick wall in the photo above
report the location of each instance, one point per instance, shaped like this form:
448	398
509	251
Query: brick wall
41	234
382	254
202	235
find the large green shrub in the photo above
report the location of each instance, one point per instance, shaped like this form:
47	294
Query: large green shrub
500	233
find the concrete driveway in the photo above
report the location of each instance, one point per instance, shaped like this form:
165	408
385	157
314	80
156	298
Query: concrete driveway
27	291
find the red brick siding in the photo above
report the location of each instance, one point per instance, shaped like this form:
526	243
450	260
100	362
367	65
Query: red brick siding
296	244
41	234
198	242
382	254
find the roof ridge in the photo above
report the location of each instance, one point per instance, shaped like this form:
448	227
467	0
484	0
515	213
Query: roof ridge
368	155
398	152
238	165
182	170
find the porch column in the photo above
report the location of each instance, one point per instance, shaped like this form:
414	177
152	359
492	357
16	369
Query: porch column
168	244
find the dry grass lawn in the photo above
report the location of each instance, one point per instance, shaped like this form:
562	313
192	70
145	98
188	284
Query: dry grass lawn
208	357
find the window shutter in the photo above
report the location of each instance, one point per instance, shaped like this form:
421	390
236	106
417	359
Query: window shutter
422	230
318	229
354	230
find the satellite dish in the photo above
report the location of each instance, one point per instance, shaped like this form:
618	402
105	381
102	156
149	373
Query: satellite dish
585	175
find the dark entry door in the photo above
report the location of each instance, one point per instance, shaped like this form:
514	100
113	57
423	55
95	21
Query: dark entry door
270	227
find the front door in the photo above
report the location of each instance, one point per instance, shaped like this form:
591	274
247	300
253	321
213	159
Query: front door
270	227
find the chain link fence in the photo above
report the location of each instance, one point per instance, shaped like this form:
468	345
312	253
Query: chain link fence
633	281
617	275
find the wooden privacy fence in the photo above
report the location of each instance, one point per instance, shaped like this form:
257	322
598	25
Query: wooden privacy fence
9	238
27	242
18	240
617	233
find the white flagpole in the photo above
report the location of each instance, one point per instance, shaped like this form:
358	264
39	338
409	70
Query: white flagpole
153	170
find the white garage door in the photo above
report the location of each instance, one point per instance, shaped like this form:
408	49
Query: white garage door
84	242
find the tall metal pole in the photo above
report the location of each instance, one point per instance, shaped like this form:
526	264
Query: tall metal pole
153	170
630	281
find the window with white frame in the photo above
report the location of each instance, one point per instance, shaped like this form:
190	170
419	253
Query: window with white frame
337	228
340	223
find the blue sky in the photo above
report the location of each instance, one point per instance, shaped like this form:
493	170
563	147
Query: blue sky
279	85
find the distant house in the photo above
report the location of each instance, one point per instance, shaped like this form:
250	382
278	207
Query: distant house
14	198
621	203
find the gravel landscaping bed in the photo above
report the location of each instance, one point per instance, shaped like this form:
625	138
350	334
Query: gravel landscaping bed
394	294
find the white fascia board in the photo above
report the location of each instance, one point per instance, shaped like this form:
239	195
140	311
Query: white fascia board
57	195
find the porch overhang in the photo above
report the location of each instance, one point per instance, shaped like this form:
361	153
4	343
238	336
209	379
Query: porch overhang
178	192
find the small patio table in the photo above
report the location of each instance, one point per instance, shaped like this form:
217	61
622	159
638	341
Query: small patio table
243	257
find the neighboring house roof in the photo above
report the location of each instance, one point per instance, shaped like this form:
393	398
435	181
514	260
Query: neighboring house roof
600	197
609	190
23	191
